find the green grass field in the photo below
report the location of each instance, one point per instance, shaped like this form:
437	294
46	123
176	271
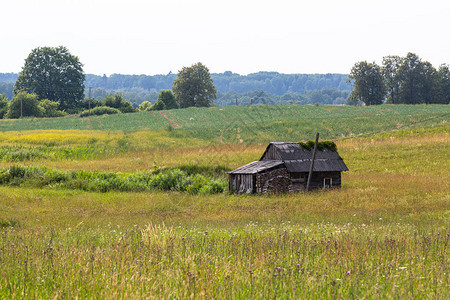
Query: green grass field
384	235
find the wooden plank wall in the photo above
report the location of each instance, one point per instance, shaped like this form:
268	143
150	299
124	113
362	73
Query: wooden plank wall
241	183
271	154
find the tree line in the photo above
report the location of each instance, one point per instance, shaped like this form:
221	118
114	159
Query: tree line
399	80
51	84
298	88
270	82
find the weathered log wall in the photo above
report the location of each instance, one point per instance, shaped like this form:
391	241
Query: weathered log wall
317	179
281	181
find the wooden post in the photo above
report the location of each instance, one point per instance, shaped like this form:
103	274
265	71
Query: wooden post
90	101
21	103
312	163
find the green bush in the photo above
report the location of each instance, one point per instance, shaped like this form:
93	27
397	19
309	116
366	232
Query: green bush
3	106
159	105
25	102
17	171
93	103
196	184
119	102
309	145
145	106
49	109
167	180
100	110
166	100
213	187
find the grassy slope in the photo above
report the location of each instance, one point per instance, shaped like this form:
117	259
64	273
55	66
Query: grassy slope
384	234
251	124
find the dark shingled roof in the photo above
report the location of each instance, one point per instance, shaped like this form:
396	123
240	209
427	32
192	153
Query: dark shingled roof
298	159
256	167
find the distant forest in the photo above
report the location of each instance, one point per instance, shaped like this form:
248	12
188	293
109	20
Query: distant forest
232	88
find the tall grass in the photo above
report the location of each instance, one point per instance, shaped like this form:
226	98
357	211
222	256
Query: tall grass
255	261
385	234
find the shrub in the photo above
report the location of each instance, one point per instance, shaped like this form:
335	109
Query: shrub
197	182
17	171
213	187
3	106
93	104
145	106
173	180
49	109
159	105
167	97
100	110
167	180
119	102
30	106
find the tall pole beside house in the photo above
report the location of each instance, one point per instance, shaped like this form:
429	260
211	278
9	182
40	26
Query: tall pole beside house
312	163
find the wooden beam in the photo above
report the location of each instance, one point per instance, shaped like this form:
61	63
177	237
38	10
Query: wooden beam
312	163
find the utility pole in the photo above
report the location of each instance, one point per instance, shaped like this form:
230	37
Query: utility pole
90	101
312	163
21	103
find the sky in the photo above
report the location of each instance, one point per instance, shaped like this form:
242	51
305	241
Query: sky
243	36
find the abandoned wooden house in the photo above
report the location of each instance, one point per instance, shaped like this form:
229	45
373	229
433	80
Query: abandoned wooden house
284	167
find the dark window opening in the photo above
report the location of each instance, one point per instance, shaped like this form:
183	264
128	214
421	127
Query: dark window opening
327	183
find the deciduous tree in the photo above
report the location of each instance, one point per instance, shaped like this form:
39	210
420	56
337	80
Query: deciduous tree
411	80
168	98
54	74
194	87
391	65
443	83
368	83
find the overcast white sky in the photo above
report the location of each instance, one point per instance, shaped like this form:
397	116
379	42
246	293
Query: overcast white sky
243	36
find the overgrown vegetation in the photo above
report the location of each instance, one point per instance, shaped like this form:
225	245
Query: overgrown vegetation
92	226
321	145
100	110
94	181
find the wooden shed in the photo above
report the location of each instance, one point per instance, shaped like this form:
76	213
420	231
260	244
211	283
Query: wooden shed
284	167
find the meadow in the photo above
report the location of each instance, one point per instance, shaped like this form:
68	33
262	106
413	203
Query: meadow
384	234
